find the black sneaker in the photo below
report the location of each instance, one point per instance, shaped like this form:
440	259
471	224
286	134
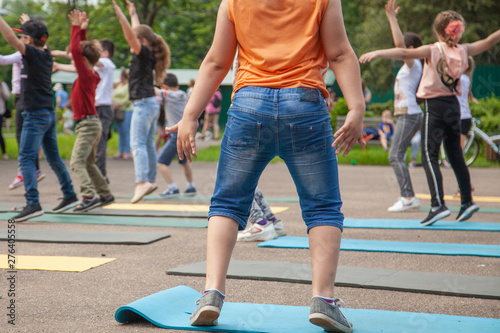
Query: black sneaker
107	200
28	213
439	214
87	204
466	211
66	204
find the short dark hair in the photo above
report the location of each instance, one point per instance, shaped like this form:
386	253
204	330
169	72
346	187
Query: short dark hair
171	81
109	46
412	39
91	50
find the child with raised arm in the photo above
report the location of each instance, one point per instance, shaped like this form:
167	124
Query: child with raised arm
407	112
278	109
445	61
150	60
88	126
39	118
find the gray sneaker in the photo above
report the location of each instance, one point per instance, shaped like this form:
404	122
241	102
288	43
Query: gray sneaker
208	310
328	316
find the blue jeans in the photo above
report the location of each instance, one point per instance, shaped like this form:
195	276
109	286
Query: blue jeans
123	129
293	124
142	138
39	129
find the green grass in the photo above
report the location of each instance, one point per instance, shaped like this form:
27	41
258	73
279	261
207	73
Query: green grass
373	155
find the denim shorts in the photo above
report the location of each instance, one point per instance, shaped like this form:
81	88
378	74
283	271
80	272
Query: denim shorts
293	124
169	151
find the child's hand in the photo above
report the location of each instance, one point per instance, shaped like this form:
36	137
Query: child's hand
55	67
117	8
74	17
84	21
24	18
131	8
350	133
186	144
367	57
391	10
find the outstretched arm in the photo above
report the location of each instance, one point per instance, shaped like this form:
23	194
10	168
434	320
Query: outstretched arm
344	64
129	34
391	11
483	44
10	36
132	12
421	52
61	54
212	71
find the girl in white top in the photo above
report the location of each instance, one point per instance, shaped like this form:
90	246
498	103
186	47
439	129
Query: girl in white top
445	62
407	112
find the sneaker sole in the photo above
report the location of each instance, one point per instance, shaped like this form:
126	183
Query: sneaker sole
65	208
467	214
402	210
256	238
30	216
328	324
170	196
189	194
13	187
436	218
39	179
206	316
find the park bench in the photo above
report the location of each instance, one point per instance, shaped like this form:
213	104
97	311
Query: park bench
368	121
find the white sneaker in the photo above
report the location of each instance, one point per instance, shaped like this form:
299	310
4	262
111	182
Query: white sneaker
403	204
280	228
257	232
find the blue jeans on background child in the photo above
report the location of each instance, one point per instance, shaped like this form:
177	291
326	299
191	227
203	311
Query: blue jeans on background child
123	129
142	138
293	124
39	129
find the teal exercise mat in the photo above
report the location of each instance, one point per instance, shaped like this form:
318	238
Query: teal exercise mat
81	236
490	210
347	244
415	224
359	277
113	220
171	309
204	198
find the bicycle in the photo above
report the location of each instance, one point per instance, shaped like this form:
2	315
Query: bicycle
471	144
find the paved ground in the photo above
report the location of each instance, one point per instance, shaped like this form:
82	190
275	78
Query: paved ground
86	302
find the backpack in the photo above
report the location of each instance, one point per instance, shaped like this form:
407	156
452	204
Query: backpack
217	101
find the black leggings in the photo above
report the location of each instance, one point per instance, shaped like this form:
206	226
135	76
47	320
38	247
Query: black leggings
442	125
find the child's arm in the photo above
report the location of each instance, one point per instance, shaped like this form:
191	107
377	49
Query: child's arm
129	34
75	47
11	59
483	44
397	54
61	54
397	35
63	67
10	37
344	64
212	71
134	18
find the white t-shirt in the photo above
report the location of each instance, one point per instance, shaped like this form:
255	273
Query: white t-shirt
463	98
405	89
16	60
104	90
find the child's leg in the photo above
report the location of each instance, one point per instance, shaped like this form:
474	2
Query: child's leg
188	171
215	123
432	136
324	244
97	178
383	139
205	124
87	132
456	157
221	237
51	151
264	206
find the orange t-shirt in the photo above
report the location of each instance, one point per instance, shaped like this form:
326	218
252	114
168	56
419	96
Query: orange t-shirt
279	45
431	85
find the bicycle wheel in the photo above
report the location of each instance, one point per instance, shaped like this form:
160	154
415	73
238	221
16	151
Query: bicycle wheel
471	150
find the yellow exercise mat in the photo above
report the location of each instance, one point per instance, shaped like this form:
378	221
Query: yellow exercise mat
175	208
53	263
474	197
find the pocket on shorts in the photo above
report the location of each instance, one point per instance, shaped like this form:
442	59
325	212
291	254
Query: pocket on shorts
309	141
243	136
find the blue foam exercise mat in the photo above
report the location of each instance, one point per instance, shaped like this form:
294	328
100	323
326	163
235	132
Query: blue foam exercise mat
171	309
415	224
448	249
